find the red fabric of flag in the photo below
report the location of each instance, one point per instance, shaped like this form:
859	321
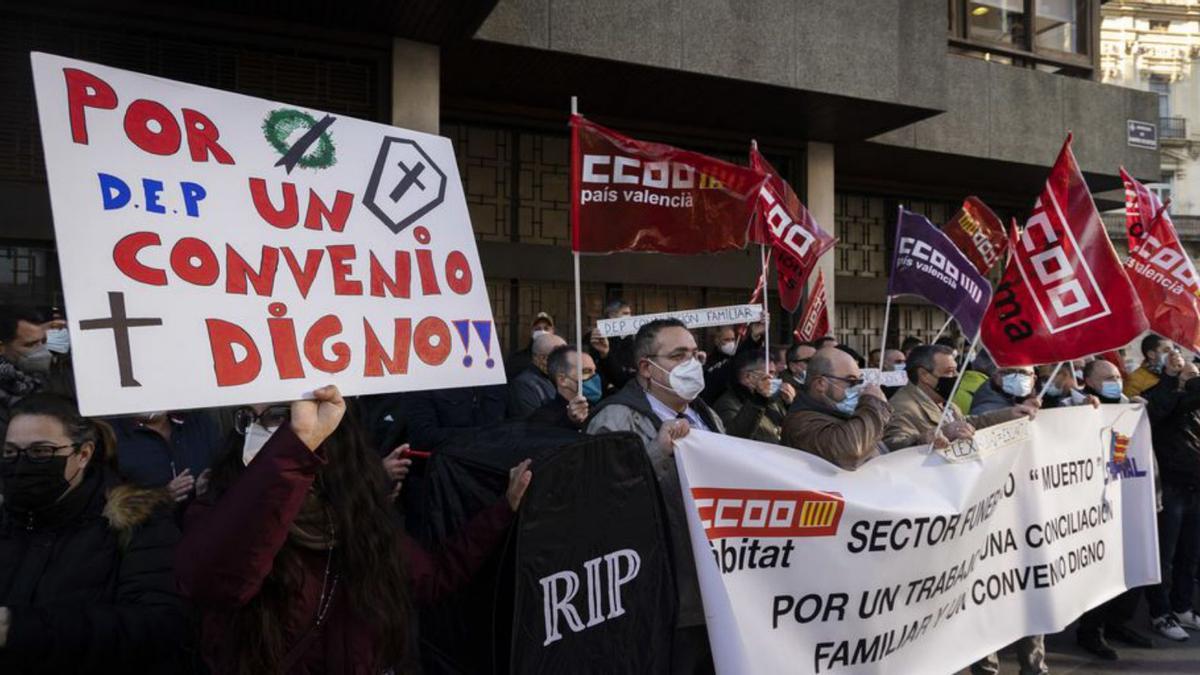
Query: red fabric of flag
1064	294
630	195
784	223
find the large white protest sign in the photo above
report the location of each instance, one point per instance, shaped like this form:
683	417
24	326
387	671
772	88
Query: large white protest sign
218	248
913	564
692	318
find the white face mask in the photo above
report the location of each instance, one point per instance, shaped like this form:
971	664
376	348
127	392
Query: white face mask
728	348
686	379
538	333
899	367
58	340
1079	376
256	437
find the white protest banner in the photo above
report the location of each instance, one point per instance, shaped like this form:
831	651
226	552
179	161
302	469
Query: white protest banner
891	378
913	564
220	249
692	318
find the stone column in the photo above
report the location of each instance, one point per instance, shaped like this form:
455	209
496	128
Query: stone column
416	73
820	200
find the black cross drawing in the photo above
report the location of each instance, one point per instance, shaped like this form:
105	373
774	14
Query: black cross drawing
411	176
120	323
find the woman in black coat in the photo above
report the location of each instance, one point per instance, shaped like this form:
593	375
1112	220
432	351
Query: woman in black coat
86	581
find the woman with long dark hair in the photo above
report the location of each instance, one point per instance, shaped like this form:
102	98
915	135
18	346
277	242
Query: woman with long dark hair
294	557
85	562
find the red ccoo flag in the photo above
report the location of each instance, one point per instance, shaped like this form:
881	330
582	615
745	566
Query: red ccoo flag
629	195
1159	268
814	322
978	233
784	223
1064	294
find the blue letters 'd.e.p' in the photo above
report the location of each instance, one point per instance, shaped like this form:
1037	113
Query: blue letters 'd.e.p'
113	191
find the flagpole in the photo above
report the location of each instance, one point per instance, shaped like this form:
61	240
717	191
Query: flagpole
762	253
887	315
578	294
957	381
943	329
1046	387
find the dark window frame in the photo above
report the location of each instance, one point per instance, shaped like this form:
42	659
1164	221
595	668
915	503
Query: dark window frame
1028	54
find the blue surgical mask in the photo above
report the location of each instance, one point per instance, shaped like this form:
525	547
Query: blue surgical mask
593	389
848	405
1111	389
776	383
1017	384
58	340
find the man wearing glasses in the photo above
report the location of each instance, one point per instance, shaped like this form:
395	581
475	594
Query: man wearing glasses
661	405
798	356
837	416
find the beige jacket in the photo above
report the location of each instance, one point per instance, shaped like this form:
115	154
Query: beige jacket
915	416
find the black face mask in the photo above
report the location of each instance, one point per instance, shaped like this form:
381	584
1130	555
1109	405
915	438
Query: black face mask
33	487
945	386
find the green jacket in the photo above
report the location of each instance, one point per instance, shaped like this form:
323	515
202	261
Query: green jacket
972	380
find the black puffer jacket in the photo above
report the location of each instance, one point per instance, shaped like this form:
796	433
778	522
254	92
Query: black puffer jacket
1175	429
90	585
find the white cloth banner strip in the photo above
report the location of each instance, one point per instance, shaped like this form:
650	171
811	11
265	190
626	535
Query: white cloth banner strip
891	378
913	564
693	318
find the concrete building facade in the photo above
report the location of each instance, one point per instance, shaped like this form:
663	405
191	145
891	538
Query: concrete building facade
863	105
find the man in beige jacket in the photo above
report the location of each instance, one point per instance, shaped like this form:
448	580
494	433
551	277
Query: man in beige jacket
918	406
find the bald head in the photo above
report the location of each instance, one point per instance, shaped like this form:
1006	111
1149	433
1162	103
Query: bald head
831	362
1097	372
544	344
893	358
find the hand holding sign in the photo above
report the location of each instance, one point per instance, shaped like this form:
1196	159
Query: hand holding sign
315	420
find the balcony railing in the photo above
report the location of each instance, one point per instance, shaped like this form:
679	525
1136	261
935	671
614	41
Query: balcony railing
1172	127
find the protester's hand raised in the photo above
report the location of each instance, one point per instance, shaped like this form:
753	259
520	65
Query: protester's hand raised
181	485
787	392
670	432
600	344
577	410
518	482
396	464
1174	365
315	420
202	482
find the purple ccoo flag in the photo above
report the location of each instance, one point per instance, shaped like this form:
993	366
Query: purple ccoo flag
928	264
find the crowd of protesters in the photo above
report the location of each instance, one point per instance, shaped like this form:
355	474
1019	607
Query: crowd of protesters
265	538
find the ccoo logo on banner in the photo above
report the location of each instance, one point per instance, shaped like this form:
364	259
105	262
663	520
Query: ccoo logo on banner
913	564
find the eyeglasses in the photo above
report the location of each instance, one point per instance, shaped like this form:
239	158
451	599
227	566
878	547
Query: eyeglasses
678	356
273	416
848	381
797	360
38	453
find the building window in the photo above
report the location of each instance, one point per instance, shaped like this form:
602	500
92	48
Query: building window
997	21
1050	35
1057	26
1162	86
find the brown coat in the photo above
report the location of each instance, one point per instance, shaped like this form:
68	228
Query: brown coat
915	416
845	440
